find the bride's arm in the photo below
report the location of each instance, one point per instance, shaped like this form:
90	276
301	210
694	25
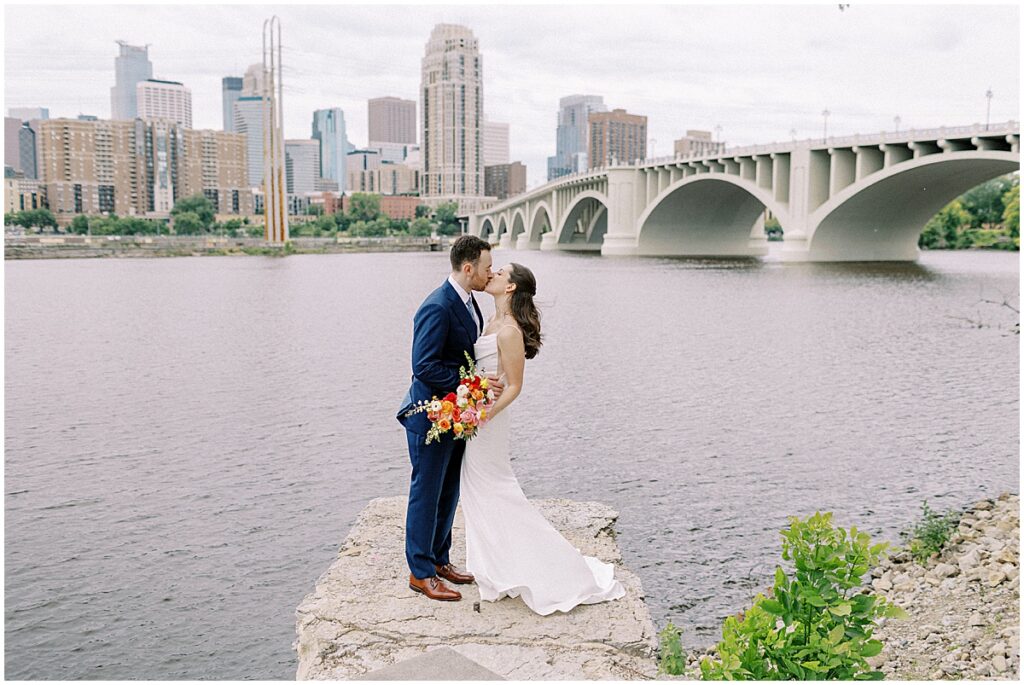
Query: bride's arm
512	352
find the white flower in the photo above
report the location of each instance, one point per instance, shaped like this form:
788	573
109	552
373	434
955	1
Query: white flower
435	406
462	403
462	391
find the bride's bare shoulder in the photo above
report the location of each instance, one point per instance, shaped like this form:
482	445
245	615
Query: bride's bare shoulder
509	334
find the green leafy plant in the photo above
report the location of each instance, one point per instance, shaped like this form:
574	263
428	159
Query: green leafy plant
671	659
930	533
817	623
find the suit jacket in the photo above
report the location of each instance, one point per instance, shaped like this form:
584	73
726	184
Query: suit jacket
442	333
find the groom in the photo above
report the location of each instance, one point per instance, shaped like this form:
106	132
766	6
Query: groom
445	328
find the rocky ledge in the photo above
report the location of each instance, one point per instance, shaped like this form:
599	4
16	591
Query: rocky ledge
362	617
962	604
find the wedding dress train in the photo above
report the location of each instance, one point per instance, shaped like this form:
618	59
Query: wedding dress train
510	547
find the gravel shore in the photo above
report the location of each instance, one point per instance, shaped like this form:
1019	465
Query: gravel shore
963	603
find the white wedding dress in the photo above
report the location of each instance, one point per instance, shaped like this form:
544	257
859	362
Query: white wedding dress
511	549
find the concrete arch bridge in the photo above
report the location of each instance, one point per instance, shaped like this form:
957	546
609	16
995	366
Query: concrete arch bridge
856	198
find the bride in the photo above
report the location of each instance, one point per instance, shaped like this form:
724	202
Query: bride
510	548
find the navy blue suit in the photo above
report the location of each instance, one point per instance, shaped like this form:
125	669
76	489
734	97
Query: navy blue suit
443	332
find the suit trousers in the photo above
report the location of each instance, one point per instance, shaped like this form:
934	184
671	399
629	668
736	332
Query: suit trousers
433	497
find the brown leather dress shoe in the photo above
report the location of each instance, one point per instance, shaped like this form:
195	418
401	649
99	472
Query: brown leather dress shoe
452	575
433	588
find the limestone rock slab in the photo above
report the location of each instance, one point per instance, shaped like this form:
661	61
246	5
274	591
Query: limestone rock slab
361	616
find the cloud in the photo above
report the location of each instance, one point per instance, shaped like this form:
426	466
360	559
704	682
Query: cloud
757	71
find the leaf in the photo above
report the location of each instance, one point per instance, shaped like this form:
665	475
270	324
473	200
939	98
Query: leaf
870	675
772	607
871	648
894	611
841	610
836	634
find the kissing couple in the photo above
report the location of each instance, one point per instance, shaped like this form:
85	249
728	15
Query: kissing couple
511	549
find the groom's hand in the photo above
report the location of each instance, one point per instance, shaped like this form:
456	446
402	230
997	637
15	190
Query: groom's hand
495	385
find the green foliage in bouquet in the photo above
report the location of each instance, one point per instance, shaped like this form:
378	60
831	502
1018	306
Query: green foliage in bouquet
817	623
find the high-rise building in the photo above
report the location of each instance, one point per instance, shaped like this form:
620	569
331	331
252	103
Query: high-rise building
249	122
505	180
386	179
253	81
231	90
391	120
90	167
616	136
214	164
698	143
571	134
169	100
27	148
451	87
139	167
12	153
329	131
130	66
302	165
29	113
496	148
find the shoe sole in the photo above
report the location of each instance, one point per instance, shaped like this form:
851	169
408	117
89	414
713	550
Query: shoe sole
438	599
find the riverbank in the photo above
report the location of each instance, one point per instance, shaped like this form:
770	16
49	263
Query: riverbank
362	621
81	246
962	603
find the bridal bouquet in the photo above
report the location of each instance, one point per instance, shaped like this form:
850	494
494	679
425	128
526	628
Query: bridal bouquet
462	411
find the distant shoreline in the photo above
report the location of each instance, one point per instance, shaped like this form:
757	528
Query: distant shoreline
92	247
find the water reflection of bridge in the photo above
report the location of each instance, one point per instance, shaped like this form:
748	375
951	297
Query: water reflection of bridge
858	198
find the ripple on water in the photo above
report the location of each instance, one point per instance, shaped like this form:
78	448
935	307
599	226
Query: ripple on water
230	421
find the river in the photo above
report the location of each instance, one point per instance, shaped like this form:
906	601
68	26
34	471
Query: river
189	440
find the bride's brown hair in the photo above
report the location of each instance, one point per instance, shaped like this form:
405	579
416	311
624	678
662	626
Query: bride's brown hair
523	309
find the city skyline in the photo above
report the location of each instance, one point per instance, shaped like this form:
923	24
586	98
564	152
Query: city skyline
650	62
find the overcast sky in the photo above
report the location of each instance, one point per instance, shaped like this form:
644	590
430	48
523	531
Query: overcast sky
756	71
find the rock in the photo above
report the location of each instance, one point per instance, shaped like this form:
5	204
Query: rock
977	619
881	584
969	560
361	617
997	648
999	663
982	505
1007	555
945	570
995	577
936	675
907	586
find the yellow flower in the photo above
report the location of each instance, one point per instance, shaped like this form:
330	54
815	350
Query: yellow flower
446	407
458	428
484	383
483	414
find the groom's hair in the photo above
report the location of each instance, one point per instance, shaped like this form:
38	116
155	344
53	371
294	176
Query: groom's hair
467	248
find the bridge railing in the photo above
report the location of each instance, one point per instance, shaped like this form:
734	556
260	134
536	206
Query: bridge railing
906	136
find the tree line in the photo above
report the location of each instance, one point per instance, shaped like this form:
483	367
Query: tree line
987	216
197	216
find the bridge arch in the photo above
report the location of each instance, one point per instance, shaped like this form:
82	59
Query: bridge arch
882	216
540	220
711	214
502	226
487	229
585	222
518	224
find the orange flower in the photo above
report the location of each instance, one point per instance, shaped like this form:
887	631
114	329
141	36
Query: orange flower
444	424
446	407
477	395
